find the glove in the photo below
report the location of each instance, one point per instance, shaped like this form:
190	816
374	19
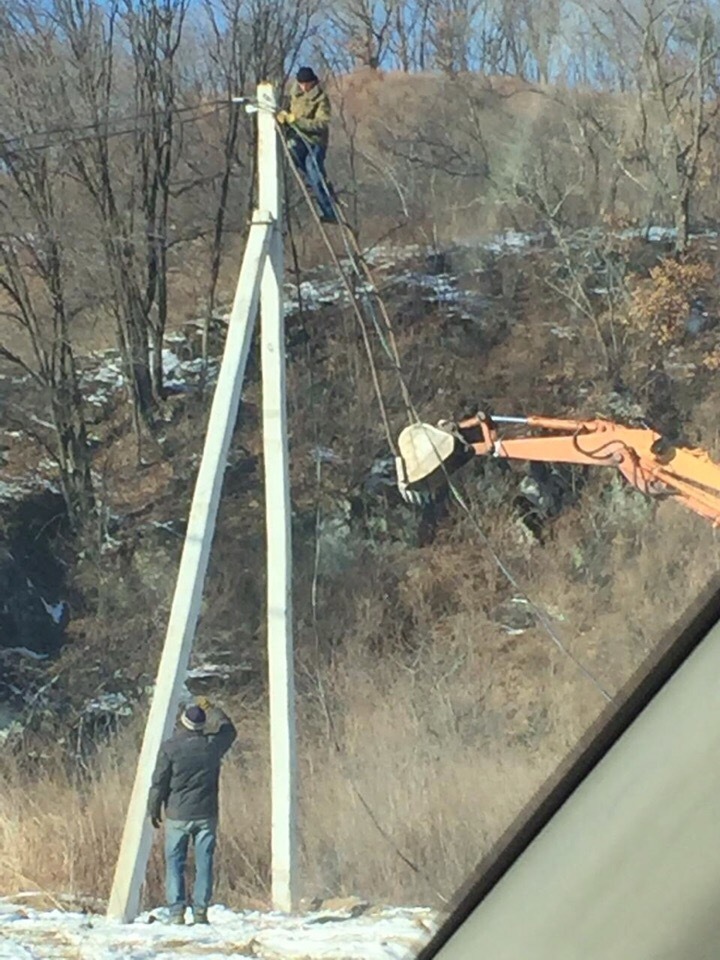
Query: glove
156	821
416	498
203	703
285	117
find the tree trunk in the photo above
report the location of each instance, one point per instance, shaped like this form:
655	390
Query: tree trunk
231	138
157	328
682	221
138	359
73	451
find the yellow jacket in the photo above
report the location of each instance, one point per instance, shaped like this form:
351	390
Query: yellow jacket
312	113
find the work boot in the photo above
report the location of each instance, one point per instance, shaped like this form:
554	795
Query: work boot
200	915
178	919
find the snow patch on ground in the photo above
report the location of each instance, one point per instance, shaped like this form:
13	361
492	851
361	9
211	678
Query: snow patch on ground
55	610
12	491
442	289
512	240
210	671
379	934
434	288
385	256
110	704
103	376
312	295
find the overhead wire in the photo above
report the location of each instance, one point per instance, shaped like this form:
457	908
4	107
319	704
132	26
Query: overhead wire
358	260
414	418
101	128
81	128
351	294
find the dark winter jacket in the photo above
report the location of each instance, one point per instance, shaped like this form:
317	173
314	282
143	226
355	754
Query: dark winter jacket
312	113
187	773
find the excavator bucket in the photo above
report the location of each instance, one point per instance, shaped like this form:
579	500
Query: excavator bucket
424	452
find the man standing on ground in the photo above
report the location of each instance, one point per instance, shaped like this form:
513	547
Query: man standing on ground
185	783
308	123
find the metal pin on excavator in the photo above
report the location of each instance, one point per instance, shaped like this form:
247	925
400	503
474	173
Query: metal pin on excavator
429	455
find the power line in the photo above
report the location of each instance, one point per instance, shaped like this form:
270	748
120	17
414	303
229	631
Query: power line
98	131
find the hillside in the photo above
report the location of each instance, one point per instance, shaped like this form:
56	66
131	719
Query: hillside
430	691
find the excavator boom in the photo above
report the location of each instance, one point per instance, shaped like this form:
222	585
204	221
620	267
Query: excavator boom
656	467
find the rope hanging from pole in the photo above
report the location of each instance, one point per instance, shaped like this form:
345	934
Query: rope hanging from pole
351	294
411	411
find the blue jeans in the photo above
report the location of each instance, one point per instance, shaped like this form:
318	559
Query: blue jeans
309	158
177	839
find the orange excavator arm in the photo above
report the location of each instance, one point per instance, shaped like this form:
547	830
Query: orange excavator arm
650	463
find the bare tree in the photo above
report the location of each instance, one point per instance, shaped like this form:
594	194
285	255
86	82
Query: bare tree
227	75
677	48
154	30
451	29
365	29
37	294
542	20
516	42
410	38
131	186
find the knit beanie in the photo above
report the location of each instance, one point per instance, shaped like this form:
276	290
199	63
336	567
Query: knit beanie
193	718
306	75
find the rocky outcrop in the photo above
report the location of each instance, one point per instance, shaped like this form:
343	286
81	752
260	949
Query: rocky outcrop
28	620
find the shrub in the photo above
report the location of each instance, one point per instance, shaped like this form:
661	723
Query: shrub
660	303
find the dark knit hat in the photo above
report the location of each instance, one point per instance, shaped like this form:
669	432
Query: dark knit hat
306	75
193	718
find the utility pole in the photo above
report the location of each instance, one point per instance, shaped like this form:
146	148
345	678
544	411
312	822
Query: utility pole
260	280
277	518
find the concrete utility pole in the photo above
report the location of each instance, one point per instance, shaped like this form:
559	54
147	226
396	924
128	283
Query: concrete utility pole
260	278
277	517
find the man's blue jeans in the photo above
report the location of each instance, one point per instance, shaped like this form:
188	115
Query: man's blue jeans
178	834
309	158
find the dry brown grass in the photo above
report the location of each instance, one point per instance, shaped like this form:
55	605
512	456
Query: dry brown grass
445	734
60	835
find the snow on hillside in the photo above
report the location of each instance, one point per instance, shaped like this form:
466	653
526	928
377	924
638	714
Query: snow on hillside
379	934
